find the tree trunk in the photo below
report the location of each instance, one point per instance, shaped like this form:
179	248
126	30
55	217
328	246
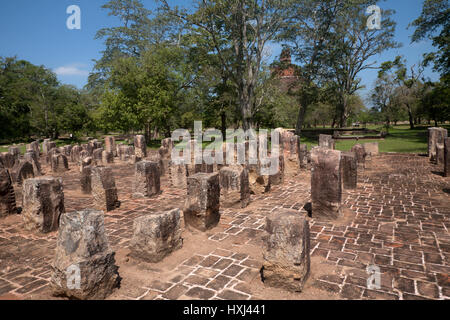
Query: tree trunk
223	119
411	118
300	120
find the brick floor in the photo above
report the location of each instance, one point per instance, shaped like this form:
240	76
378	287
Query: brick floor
398	219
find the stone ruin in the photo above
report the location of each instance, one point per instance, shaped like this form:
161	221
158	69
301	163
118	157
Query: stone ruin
140	147
326	183
87	161
75	154
146	180
302	155
7	159
447	157
360	154
125	152
349	167
43	203
59	163
7	195
97	155
32	157
371	149
178	174
234	186
22	170
34	146
286	250
49	155
110	145
104	189
107	157
82	250
86	180
203	201
436	137
326	141
156	236
15	152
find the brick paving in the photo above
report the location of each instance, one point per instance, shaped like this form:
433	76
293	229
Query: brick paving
397	219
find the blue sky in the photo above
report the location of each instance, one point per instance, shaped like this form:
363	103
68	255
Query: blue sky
36	31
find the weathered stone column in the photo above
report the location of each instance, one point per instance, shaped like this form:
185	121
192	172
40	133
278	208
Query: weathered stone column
326	141
140	146
83	252
7	195
178	175
125	152
7	159
435	136
326	183
203	201
146	180
110	145
440	156
22	170
303	156
97	155
360	153
86	180
447	157
107	157
43	203
59	163
156	236
67	150
349	168
75	153
371	148
104	189
45	146
88	161
278	177
35	147
235	186
50	154
286	250
15	152
32	158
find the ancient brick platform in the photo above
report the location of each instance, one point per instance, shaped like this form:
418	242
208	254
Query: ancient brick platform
397	219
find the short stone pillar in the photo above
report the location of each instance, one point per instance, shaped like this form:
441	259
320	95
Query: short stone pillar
140	146
43	203
15	152
104	189
7	159
371	148
303	156
50	154
7	195
156	236
349	168
286	250
260	181
440	156
107	157
97	155
234	186
436	136
86	180
125	152
45	146
178	175
22	170
68	150
326	183
203	201
326	141
88	161
360	154
84	265
447	157
146	180
32	158
75	154
59	163
277	178
110	145
35	147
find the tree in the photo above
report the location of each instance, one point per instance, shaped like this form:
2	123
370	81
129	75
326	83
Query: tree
239	31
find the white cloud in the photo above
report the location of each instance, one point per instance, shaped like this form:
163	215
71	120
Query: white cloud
71	70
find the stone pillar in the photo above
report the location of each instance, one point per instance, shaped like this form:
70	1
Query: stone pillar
440	157
45	146
286	250
107	157
278	177
234	186
303	155
82	249
435	136
203	201
31	157
67	150
371	148
326	183
43	203
156	236
75	153
110	145
360	154
59	163
88	161
140	146
326	141
104	189
22	170
35	147
178	175
7	159
349	168
15	152
7	195
447	157
97	155
260	182
125	152
146	180
49	155
86	180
